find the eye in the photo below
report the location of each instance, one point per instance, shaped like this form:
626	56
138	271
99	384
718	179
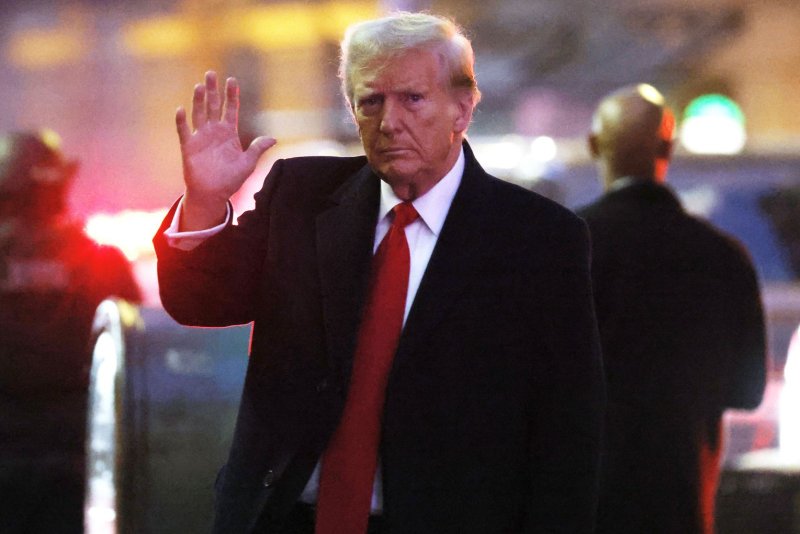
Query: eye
415	98
370	103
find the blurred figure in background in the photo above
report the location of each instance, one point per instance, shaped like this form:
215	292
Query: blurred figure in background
681	327
52	278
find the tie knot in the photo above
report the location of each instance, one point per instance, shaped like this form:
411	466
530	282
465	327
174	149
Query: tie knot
404	214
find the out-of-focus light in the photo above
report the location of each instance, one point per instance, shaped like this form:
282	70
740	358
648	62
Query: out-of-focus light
702	200
650	93
503	154
38	49
714	105
705	135
101	520
263	27
131	231
713	124
517	158
334	17
293	24
160	37
543	148
789	440
273	26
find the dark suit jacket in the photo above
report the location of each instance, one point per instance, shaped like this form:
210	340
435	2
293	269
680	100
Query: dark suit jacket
495	398
682	332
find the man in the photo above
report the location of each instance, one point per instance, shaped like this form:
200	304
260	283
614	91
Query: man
52	278
680	322
481	416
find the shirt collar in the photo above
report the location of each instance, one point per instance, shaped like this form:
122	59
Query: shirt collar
433	205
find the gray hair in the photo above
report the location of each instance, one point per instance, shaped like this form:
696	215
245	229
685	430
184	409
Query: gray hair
375	42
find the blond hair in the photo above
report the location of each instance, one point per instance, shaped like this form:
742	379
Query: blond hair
373	43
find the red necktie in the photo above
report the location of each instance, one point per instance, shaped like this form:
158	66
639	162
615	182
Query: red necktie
348	465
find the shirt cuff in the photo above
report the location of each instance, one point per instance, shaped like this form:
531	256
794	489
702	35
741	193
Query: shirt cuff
190	240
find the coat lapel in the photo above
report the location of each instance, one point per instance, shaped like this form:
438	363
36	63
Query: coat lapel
458	253
345	235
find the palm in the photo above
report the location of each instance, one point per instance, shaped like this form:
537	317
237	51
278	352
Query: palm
215	165
214	161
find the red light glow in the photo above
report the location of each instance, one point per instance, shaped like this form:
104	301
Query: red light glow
131	231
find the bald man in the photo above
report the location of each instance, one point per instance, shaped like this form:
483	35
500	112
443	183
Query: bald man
681	327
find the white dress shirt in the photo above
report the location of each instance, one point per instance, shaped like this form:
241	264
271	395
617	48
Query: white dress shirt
422	235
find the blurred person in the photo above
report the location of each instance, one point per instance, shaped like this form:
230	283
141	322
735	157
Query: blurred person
424	354
52	278
681	327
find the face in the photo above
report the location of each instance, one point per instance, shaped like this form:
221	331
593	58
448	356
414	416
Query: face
410	123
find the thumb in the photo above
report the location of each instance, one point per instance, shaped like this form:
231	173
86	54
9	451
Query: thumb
258	146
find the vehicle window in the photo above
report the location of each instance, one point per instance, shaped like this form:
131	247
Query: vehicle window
782	209
740	213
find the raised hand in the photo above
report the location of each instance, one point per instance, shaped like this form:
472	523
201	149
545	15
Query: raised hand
215	165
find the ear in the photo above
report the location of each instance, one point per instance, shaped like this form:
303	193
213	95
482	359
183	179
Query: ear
594	146
464	104
664	149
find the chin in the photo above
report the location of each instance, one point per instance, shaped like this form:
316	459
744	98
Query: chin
394	174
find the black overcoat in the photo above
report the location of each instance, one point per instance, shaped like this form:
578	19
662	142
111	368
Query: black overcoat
682	334
495	397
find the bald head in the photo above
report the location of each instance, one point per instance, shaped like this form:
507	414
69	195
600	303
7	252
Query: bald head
632	134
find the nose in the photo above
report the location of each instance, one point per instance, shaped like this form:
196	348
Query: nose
391	118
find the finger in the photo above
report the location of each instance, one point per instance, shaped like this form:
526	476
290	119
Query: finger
198	106
184	133
258	147
231	101
213	102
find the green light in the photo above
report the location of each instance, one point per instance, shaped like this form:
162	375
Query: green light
713	124
714	106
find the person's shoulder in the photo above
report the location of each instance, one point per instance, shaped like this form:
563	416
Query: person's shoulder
517	197
631	202
525	207
322	165
722	243
592	209
609	215
511	200
313	175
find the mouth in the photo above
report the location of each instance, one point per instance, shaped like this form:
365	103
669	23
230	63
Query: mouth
393	151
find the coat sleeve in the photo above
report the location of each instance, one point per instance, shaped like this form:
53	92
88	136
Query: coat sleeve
569	405
217	283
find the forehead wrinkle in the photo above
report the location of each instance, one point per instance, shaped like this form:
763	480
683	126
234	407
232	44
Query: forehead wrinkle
393	85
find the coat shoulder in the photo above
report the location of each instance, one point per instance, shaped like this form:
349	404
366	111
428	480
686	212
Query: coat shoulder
527	209
323	174
727	245
329	164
